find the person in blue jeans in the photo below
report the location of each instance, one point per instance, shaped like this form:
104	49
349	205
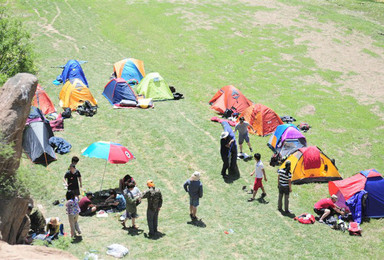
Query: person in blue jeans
195	189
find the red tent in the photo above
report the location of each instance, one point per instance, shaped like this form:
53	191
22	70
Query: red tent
262	118
42	101
229	97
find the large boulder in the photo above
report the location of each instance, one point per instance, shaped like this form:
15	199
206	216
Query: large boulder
16	97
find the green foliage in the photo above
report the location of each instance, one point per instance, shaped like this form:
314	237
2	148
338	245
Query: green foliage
15	47
11	186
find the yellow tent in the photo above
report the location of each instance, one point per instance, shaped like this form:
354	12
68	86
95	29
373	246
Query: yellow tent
310	164
74	93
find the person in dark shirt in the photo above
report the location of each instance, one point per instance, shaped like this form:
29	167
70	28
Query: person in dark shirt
155	201
86	206
195	189
228	152
72	178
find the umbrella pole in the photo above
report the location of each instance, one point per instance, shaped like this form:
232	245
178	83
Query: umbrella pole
103	176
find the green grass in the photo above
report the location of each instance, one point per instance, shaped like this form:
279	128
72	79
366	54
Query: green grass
199	48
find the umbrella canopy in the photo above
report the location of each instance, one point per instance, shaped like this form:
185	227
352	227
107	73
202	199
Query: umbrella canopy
112	152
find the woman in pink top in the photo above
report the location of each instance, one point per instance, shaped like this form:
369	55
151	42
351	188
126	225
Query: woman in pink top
73	211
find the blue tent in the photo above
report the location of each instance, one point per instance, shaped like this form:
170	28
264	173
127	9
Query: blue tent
375	201
117	90
72	70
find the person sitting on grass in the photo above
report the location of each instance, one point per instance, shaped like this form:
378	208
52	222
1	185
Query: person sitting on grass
326	207
132	198
260	172
86	206
117	201
53	228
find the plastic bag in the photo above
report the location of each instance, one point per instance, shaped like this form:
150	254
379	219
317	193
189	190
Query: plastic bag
117	250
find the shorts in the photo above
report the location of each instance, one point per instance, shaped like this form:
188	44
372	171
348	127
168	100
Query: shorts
258	184
87	213
319	212
130	215
194	201
243	137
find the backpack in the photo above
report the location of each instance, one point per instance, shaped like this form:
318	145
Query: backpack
354	229
87	109
66	113
305	218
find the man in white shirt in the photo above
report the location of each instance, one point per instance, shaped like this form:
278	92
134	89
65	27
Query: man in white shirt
260	172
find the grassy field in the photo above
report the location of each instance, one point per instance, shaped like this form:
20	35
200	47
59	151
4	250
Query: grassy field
293	56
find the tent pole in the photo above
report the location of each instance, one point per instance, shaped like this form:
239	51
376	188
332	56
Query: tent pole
103	175
46	161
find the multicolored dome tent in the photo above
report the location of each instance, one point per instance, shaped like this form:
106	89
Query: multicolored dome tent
72	70
310	164
117	90
42	101
154	86
74	93
129	69
262	118
369	180
229	97
286	139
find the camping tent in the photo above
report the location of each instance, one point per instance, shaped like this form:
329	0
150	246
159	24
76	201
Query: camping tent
36	142
72	70
42	101
310	164
371	181
74	93
229	97
286	139
129	69
262	118
154	86
117	90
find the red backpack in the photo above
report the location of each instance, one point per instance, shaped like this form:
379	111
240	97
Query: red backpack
305	218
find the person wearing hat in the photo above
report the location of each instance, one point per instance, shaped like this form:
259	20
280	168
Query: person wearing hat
242	128
228	152
155	201
53	228
72	178
325	207
194	187
284	186
86	206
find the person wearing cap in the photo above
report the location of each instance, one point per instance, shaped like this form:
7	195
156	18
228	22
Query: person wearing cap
242	128
155	201
194	187
284	186
86	206
325	207
228	152
72	178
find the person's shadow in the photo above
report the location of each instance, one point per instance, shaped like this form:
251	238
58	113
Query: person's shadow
262	200
133	231
156	236
197	223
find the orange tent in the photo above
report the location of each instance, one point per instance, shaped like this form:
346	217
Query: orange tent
74	93
263	119
42	101
229	97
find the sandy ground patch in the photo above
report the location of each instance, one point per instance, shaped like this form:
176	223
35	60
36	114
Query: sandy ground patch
306	110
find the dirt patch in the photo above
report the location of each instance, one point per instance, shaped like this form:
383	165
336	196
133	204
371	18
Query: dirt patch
338	131
306	110
362	150
194	20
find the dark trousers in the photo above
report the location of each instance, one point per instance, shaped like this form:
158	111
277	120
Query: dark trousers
152	220
283	190
229	162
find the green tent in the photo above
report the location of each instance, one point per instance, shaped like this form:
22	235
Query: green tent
154	86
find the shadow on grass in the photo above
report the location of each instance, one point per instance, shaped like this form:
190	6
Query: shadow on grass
197	223
133	231
287	214
262	200
77	239
156	236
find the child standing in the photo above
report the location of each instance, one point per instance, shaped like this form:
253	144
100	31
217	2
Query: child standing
73	211
260	172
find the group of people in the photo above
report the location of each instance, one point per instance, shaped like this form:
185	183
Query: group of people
228	150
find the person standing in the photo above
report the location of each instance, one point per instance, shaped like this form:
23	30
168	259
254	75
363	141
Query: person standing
72	178
155	201
132	198
284	186
242	128
260	172
195	189
228	152
73	211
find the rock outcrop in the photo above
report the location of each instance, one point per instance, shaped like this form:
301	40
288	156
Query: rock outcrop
15	96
